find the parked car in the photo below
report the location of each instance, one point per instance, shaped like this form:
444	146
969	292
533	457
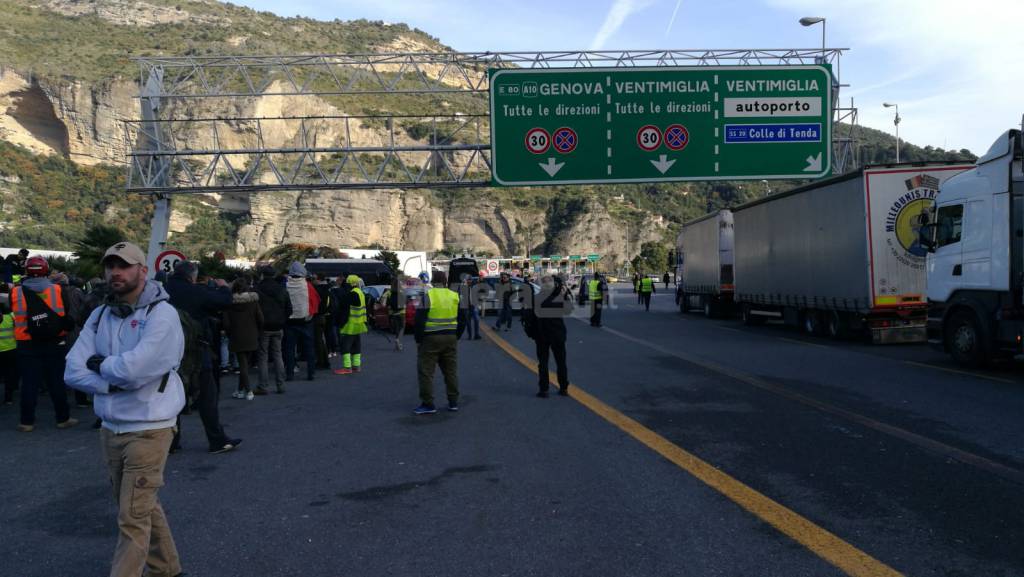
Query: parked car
490	300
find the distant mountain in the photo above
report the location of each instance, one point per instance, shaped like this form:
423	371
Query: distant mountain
67	82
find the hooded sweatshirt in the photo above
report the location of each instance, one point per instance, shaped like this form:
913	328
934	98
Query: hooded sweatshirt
140	350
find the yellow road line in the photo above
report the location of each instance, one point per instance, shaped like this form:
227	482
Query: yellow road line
818	540
959	372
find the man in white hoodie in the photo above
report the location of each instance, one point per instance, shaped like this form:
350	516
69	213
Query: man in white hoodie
127	356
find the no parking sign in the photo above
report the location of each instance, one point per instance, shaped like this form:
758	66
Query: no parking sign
492	267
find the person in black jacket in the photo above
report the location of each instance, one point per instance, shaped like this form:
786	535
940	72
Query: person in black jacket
203	302
550	306
276	307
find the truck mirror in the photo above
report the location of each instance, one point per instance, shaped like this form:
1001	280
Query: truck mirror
926	236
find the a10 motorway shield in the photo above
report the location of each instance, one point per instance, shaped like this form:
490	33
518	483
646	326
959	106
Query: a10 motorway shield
594	126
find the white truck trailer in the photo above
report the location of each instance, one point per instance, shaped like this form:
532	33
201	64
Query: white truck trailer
976	258
704	265
841	256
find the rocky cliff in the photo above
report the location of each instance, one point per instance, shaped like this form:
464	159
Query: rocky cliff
80	118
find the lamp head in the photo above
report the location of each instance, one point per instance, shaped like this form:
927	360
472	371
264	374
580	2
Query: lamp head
811	20
888	104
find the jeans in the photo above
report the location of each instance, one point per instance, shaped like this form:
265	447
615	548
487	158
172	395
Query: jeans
504	316
38	364
300	335
320	339
270	351
473	326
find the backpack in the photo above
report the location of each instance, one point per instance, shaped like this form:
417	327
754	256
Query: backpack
44	325
195	340
531	324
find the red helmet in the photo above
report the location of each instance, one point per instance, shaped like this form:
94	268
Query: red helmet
37	266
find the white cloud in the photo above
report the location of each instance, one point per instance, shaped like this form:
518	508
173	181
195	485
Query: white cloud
616	17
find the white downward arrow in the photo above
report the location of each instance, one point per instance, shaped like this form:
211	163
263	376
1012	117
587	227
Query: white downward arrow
813	163
663	164
551	167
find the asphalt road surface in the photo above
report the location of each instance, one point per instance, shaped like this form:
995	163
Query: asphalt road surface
689	447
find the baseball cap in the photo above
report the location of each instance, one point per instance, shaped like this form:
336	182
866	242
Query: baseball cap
127	252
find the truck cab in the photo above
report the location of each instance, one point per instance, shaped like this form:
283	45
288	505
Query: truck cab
976	258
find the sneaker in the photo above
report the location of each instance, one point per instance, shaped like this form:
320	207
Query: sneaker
230	445
496	328
453	406
249	395
563	392
238	395
425	409
343	371
280	390
542	394
260	391
71	422
26	428
310	377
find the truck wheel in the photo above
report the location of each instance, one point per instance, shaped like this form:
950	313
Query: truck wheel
836	325
965	341
812	322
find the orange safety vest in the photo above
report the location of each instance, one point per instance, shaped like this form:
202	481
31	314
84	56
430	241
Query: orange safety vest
53	297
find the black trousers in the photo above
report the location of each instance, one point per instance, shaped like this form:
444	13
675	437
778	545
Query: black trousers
595	313
646	298
9	373
557	348
209	398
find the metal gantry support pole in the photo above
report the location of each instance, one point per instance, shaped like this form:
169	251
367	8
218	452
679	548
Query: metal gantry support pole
150	139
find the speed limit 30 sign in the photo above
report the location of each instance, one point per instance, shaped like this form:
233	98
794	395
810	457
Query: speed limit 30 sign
538	140
167	260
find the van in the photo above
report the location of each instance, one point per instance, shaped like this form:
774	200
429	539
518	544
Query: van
373	272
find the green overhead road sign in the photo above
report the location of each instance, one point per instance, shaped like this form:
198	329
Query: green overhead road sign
593	257
593	126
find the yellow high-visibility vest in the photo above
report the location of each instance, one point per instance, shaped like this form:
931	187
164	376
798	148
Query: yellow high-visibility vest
443	314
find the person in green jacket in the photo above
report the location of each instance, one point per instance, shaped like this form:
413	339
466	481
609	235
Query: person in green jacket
352	318
8	353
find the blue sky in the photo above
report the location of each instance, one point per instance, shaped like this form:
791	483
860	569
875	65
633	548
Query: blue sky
953	67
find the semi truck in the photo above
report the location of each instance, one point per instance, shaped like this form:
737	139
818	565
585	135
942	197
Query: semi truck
975	243
841	256
704	265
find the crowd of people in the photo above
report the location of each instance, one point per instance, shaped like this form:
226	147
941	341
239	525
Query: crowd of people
144	352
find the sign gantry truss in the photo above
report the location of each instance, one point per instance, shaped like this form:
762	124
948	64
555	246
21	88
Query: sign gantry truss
174	153
250	154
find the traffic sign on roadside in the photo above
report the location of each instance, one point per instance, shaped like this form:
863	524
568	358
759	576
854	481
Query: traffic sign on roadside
593	257
167	260
594	125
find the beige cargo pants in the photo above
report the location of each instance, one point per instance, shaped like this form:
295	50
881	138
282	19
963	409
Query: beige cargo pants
136	463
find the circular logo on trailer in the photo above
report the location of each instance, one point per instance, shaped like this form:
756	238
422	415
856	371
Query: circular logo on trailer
538	140
648	137
676	136
908	221
565	140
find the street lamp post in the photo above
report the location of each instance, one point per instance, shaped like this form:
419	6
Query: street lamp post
811	21
895	121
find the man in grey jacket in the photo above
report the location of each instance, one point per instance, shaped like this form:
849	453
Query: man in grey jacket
126	356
